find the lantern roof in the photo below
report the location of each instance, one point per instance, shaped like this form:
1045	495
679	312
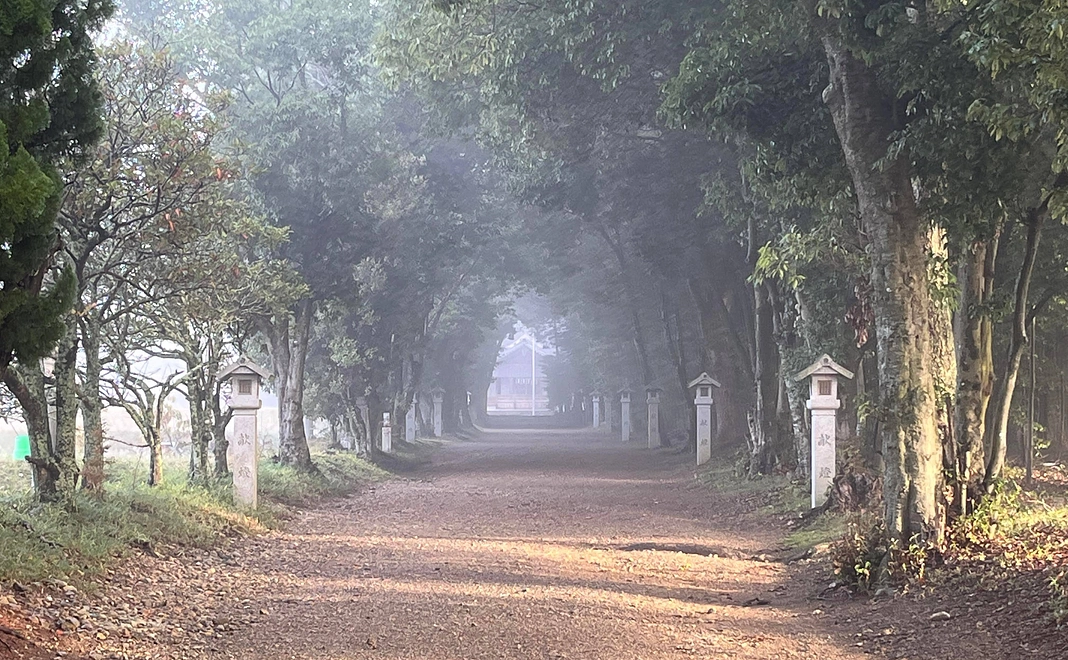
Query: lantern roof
703	379
243	366
824	366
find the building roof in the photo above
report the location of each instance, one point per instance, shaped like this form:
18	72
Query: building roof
524	340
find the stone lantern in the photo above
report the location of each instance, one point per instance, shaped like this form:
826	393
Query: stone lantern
652	399
702	387
596	397
439	399
245	378
823	402
624	412
409	422
387	434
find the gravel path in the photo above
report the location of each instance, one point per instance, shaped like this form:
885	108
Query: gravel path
520	545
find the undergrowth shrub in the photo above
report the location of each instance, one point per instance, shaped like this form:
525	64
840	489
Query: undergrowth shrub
993	515
866	558
858	554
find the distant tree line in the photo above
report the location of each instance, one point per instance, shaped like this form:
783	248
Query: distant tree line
354	193
739	187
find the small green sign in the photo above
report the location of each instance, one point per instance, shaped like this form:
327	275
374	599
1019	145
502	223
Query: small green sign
22	447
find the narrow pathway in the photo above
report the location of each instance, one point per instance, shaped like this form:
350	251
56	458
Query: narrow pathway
526	545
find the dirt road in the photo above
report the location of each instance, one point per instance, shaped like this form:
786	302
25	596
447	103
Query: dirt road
526	545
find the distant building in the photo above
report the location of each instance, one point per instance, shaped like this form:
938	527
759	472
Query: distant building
519	384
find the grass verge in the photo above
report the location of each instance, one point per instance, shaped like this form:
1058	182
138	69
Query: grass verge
776	495
1018	537
40	542
339	474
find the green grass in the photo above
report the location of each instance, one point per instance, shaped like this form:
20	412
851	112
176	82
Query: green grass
14	478
825	528
339	474
40	542
776	494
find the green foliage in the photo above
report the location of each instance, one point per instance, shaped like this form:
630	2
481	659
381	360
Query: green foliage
993	517
858	555
48	110
866	558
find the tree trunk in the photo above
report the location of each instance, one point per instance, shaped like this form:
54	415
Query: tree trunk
912	478
762	427
633	305
28	387
335	435
218	431
944	348
155	458
669	319
975	382
288	356
763	420
725	357
1017	345
65	374
199	427
92	406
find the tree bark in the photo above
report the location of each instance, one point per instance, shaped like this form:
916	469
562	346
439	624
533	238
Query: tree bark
222	420
288	358
155	457
65	374
975	382
92	406
763	419
762	423
725	359
1018	341
199	426
669	319
28	387
864	118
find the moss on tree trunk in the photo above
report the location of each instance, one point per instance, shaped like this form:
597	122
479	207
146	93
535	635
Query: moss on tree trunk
865	118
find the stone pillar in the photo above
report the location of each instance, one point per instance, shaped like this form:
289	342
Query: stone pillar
245	378
596	410
653	400
409	422
702	386
387	434
624	414
439	399
245	457
823	402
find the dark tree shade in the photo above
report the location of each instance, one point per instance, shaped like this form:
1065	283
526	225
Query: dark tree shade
49	110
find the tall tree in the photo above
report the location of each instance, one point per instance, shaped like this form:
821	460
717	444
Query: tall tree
49	111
